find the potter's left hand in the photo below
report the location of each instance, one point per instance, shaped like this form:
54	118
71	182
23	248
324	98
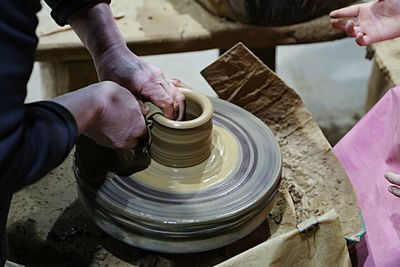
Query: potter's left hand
394	179
142	79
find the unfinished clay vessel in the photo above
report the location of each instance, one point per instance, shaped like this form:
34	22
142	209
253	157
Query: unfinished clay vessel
212	180
184	143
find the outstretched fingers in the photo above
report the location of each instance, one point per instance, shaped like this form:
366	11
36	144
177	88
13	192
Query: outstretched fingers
350	29
338	24
394	190
346	12
363	39
394	179
345	19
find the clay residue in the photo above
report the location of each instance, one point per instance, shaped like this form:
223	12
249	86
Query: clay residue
312	175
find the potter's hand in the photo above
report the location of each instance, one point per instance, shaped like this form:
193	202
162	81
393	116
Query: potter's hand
395	180
370	22
120	65
107	113
115	62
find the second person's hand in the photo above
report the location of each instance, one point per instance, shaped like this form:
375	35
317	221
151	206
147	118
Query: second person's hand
369	22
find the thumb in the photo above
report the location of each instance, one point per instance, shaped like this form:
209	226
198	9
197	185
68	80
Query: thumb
143	107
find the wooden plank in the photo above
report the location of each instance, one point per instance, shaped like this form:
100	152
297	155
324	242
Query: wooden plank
167	26
59	78
386	69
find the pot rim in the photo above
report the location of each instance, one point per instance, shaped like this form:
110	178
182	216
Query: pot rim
205	116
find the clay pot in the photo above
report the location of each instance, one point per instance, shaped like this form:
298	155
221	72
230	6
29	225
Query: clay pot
184	143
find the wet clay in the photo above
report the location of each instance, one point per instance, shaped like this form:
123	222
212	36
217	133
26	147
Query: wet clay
216	168
184	143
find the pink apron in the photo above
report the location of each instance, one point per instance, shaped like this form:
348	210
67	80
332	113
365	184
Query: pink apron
367	152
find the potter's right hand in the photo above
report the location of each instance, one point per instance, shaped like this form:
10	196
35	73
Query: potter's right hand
107	113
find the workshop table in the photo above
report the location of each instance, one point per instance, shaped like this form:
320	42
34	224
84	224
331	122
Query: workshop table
385	69
163	26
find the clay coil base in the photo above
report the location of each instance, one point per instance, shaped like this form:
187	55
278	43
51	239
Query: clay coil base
232	195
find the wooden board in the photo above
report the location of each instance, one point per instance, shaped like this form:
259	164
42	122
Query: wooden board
166	26
385	71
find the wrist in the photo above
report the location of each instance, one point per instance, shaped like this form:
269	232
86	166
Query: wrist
84	106
102	50
110	54
120	65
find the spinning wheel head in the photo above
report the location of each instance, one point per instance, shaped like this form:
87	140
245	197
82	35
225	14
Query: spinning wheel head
209	201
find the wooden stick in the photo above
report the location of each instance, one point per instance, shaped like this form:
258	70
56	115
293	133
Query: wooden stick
67	27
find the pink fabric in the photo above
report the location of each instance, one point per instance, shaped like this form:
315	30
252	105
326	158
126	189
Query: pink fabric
367	152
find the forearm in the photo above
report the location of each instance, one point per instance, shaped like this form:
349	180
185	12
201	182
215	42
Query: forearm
113	61
97	30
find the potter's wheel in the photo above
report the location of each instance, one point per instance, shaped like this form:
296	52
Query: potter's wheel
194	208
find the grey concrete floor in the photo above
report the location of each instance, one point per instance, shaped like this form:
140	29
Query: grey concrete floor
331	78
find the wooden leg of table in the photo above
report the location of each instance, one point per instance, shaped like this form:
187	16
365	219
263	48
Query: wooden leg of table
62	77
54	80
81	74
377	87
266	54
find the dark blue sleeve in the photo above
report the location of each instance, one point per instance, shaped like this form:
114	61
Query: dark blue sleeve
63	9
36	137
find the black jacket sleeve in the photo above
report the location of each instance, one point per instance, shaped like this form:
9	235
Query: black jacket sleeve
63	9
36	137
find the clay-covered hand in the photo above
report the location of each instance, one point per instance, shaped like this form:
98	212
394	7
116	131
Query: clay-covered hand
394	179
369	22
146	81
107	113
98	31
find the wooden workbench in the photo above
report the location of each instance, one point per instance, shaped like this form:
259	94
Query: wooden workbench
385	69
164	26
